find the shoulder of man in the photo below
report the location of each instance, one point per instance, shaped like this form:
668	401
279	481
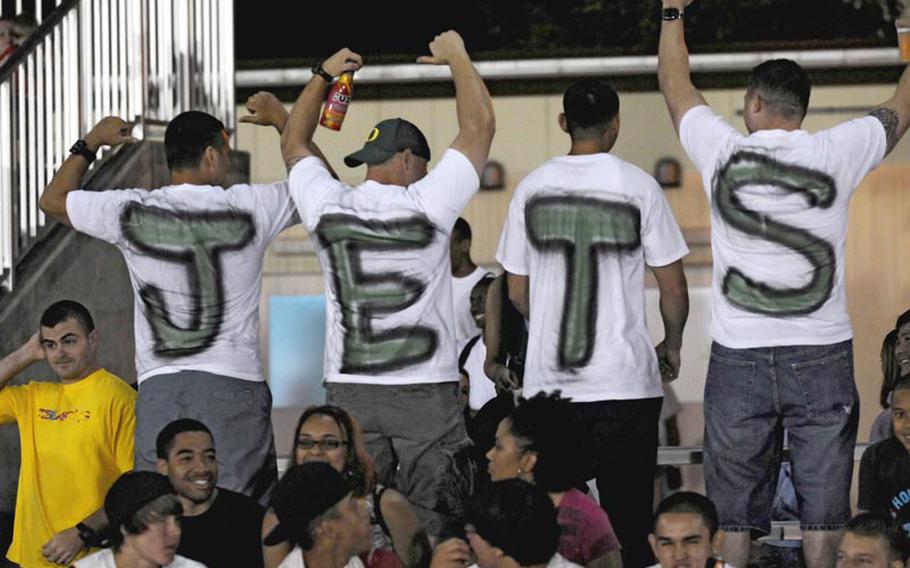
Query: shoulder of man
231	500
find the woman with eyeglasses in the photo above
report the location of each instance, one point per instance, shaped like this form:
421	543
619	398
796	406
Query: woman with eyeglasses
329	434
540	442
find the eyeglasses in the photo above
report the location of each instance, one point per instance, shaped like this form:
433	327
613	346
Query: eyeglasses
325	444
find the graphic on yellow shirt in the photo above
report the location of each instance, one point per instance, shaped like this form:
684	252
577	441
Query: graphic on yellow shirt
71	415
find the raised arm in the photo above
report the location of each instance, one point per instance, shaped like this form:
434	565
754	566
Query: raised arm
476	122
266	110
30	352
674	310
894	113
110	131
673	72
297	138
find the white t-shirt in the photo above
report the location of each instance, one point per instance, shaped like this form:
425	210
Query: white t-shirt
465	326
105	559
481	389
384	250
593	222
779	204
194	255
295	560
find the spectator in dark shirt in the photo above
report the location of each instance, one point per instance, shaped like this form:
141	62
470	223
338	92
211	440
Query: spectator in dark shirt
884	473
221	528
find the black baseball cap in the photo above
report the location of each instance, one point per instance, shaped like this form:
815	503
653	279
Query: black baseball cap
387	138
305	492
132	491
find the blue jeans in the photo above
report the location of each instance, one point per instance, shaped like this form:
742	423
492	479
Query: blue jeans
750	394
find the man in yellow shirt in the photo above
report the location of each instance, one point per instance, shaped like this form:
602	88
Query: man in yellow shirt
76	437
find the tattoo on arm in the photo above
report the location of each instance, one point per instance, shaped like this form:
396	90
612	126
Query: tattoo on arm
889	120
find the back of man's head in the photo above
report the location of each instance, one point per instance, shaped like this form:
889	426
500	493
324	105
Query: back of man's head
165	440
880	526
590	105
461	231
59	312
691	503
783	86
188	135
518	518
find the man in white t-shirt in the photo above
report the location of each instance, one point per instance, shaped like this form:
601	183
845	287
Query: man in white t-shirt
390	357
465	274
782	351
580	230
194	251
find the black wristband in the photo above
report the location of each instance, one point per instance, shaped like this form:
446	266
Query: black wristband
86	533
318	69
670	14
81	148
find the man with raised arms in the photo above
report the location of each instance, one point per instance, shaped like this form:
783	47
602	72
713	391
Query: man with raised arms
390	357
782	351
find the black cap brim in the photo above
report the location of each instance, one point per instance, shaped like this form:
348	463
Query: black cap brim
276	536
369	154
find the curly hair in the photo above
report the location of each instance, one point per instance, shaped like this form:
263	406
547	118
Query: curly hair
546	424
358	466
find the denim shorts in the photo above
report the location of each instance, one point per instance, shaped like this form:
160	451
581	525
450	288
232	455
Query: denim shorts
751	396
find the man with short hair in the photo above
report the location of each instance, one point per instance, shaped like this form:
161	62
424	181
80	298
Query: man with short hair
580	231
465	275
194	250
872	541
76	437
782	351
315	509
220	528
685	533
390	357
144	527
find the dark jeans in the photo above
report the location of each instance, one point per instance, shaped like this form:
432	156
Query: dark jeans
623	438
750	394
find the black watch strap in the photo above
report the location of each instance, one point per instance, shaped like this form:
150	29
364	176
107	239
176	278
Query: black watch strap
319	70
670	14
86	533
81	148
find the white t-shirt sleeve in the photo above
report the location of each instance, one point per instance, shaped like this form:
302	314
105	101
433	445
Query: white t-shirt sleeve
310	184
444	192
512	252
97	213
661	238
857	144
276	206
703	133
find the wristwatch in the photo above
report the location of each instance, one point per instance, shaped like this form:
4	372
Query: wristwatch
670	14
319	70
81	148
86	533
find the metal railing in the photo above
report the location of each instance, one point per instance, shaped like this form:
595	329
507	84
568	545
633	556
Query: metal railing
138	59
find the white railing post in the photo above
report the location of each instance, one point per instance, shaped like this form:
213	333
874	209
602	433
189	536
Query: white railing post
145	58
